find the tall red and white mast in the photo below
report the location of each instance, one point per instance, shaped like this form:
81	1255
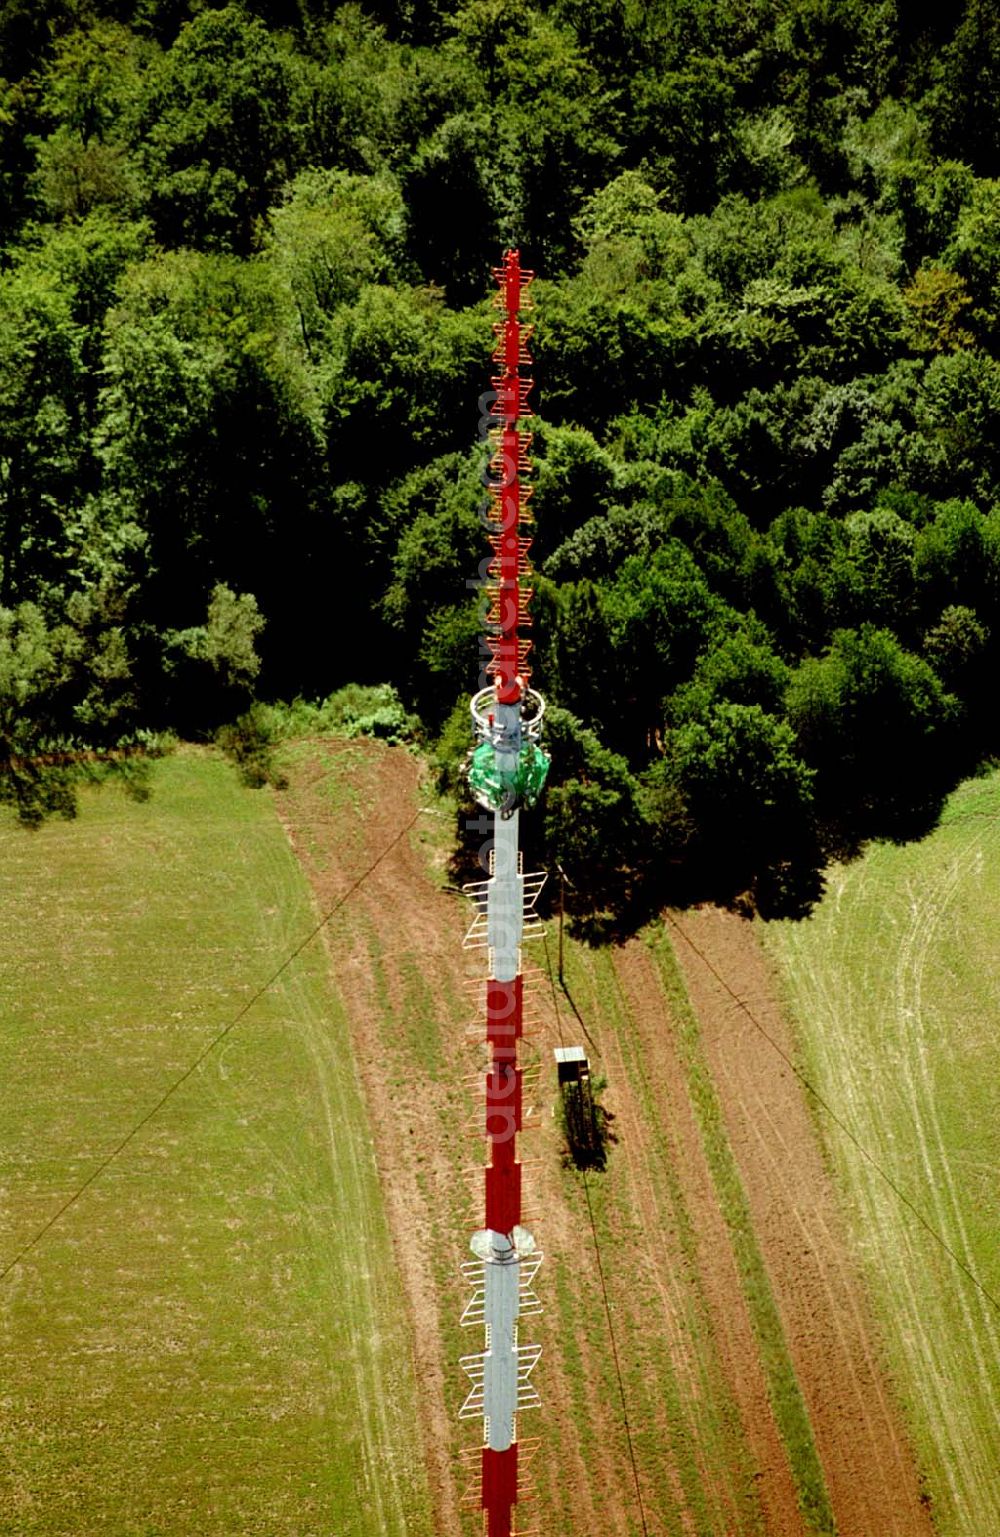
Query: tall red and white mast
507	769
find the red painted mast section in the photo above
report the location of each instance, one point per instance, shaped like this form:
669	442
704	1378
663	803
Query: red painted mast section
504	1027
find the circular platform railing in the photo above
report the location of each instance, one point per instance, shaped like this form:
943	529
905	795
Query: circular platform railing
489	725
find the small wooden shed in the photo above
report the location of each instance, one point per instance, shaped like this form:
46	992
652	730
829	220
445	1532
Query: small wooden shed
571	1063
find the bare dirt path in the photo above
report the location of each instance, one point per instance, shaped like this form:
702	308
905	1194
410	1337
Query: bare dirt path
867	1462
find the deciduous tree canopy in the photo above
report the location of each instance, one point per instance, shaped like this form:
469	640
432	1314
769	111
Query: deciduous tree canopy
244	326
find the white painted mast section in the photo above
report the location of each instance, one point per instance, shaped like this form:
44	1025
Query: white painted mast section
500	1374
500	1377
505	901
505	892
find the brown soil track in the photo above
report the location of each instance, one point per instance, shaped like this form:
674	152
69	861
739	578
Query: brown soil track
870	1473
680	1319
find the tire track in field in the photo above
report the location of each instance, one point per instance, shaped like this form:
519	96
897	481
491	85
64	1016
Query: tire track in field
928	909
598	1503
843	1309
339	1093
870	1474
847	1016
845	1008
367	1358
881	922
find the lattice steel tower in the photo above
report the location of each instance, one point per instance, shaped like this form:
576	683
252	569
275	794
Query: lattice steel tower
507	769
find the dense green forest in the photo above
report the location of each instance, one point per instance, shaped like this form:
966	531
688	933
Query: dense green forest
244	328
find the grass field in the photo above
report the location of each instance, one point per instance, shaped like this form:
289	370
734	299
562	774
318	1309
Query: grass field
895	986
219	1336
212	1339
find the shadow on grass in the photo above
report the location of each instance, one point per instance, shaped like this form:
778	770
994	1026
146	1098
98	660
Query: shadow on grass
586	1124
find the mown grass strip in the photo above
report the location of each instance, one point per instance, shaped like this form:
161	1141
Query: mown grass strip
783	1389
